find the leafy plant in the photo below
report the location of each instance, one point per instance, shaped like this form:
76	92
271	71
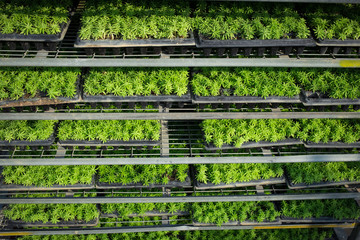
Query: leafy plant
223	212
231	173
240	20
129	20
239	131
262	82
144	174
340	21
105	130
47	176
28	17
137	81
310	173
16	83
53	213
26	130
334	208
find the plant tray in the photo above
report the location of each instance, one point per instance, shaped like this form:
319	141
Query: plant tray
318	99
245	99
315	220
292	185
17	187
15	37
271	181
42	99
332	145
338	43
260	144
203	42
76	223
99	143
171	184
177	42
151	98
146	214
13	143
237	223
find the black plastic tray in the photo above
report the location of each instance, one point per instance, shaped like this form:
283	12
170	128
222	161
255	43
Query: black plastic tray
22	224
43	100
260	144
202	42
292	185
16	187
146	214
15	37
139	143
315	220
151	98
338	43
318	99
13	143
309	144
177	42
271	181
245	99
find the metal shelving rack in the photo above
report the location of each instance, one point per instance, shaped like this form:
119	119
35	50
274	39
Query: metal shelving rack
69	56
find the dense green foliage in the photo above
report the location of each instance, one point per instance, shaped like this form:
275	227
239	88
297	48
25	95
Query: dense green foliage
26	130
341	21
33	17
264	82
137	81
125	19
106	130
283	234
231	173
249	21
144	174
53	213
47	176
239	131
25	82
336	83
140	209
222	212
310	173
335	208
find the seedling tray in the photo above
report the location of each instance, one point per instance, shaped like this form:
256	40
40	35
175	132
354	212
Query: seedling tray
146	214
245	99
177	42
98	143
42	99
170	184
203	42
13	143
292	185
76	223
271	181
317	99
17	187
332	145
338	43
260	144
315	220
237	223
151	98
